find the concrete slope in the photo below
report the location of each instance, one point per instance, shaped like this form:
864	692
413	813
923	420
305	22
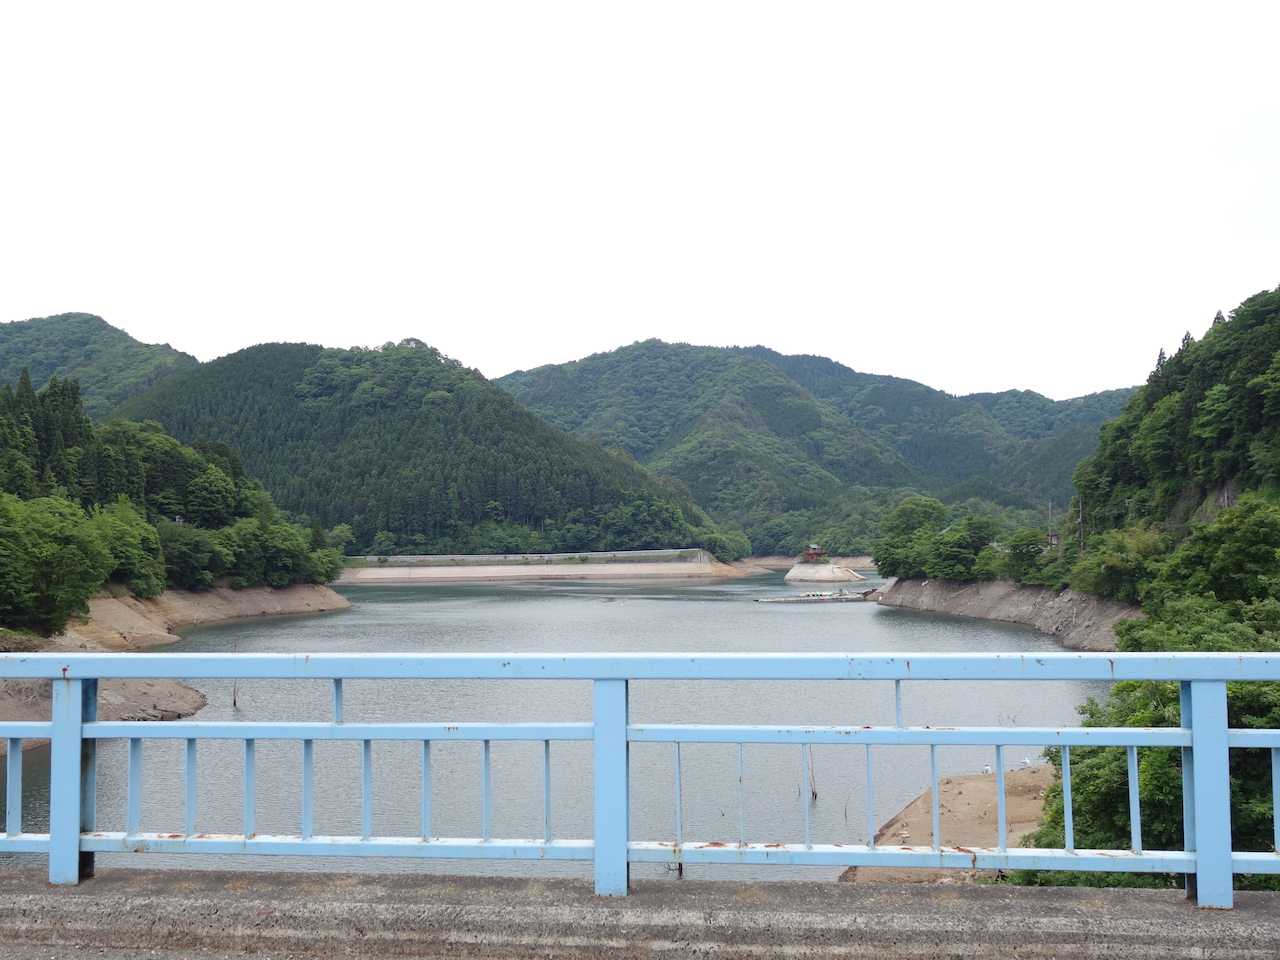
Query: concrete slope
392	573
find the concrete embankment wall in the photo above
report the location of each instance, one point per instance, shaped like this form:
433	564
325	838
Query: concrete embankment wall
1079	621
391	573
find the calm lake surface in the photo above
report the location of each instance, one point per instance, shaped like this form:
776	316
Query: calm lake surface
636	617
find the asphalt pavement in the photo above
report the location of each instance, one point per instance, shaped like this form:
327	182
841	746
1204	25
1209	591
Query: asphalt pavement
179	915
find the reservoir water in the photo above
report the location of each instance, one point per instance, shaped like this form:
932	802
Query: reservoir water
562	616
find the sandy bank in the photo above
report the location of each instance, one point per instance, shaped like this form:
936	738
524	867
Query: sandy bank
127	623
1079	621
967	817
390	573
124	624
29	700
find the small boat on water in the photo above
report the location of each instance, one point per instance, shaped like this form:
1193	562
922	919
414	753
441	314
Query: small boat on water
815	596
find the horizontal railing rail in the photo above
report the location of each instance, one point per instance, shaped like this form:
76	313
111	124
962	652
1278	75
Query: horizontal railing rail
74	732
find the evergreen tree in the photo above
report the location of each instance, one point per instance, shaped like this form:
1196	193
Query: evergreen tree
412	451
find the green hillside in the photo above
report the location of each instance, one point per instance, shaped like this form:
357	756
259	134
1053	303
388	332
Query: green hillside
1204	427
946	439
643	397
796	447
1017	439
1178	508
754	448
1194	451
416	453
1029	415
785	448
110	365
126	507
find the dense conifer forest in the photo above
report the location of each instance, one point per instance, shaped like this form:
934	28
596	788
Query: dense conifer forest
779	451
1018	439
126	506
792	449
417	454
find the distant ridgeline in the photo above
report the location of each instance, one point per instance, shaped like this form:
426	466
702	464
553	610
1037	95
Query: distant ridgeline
418	454
798	448
413	453
110	365
127	505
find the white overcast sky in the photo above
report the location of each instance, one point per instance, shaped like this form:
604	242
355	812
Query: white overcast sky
978	196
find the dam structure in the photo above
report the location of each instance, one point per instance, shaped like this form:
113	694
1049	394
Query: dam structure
82	824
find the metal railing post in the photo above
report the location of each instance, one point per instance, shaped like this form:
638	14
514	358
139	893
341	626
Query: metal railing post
72	780
1210	806
612	790
1188	785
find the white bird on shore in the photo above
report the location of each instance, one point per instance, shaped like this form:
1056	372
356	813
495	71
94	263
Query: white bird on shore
1026	762
987	768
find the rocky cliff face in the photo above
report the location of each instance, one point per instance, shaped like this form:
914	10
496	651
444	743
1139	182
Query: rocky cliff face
1079	621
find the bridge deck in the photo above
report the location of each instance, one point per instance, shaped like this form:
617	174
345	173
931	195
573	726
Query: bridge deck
382	915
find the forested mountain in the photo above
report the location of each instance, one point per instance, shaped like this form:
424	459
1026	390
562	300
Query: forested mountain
416	453
749	444
1028	415
1017	439
1181	504
946	439
1205	426
109	365
785	448
795	447
1195	450
126	505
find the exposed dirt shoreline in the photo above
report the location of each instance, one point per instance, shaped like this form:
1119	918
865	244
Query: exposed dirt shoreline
1079	621
127	624
967	817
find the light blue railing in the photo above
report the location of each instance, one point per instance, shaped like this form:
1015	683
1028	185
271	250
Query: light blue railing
1207	857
